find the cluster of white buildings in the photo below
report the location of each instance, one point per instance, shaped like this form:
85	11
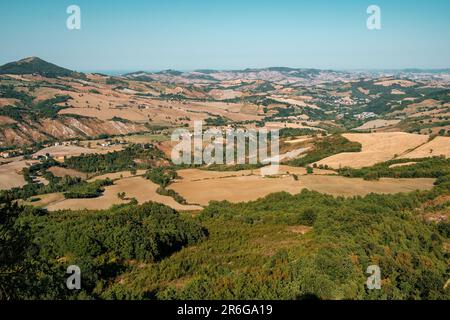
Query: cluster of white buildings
365	115
66	143
6	154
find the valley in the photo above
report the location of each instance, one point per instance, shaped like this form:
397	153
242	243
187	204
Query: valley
363	176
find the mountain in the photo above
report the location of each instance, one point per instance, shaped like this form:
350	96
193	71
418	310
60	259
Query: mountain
35	65
431	71
280	75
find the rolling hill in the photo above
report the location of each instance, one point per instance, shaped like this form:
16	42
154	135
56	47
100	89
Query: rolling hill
35	65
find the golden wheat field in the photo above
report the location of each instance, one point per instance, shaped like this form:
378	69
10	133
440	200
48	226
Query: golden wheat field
11	174
439	146
376	147
252	187
139	188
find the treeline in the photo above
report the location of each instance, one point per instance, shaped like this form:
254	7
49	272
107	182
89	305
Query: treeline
325	147
161	175
116	161
171	193
217	121
434	167
85	189
294	132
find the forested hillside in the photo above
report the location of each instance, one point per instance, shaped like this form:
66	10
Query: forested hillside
284	246
35	65
36	247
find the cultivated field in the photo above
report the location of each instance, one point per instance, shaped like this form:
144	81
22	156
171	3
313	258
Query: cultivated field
117	175
8	102
376	147
280	125
59	152
402	83
11	174
374	124
437	147
141	189
298	140
65	151
416	107
200	175
246	188
44	200
396	91
405	164
225	94
62	172
146	138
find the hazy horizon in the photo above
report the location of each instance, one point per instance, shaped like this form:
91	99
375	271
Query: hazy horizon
148	35
121	72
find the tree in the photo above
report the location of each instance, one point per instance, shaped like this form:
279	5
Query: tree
14	244
24	273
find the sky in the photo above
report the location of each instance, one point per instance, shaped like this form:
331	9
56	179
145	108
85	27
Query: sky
154	35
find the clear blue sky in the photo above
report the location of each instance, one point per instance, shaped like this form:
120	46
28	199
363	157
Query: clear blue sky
191	34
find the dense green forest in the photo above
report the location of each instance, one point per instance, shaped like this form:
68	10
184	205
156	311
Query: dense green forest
36	245
116	161
279	247
253	251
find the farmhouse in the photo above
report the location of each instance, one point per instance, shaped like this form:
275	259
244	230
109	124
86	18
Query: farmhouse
5	154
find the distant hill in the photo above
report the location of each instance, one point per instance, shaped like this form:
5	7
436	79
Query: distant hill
432	71
272	74
34	65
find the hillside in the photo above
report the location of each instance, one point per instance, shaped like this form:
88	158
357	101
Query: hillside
29	131
39	100
35	65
